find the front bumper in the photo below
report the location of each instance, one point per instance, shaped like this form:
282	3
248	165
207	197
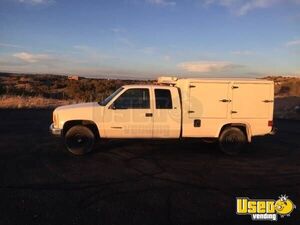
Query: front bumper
55	131
273	131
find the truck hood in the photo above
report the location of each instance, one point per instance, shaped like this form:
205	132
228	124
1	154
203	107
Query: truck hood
82	106
85	111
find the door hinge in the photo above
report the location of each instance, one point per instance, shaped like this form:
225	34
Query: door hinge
225	100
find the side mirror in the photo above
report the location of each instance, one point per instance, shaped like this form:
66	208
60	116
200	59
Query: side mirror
117	105
112	106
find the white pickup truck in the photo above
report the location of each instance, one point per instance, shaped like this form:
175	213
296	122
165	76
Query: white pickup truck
231	111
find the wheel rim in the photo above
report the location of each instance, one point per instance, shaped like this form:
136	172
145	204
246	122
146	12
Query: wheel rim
232	143
78	141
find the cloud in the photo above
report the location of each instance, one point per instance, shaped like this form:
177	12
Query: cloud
244	52
293	43
125	42
207	66
251	5
297	1
31	58
5	45
162	2
118	30
149	50
82	47
167	58
242	7
36	2
90	54
220	2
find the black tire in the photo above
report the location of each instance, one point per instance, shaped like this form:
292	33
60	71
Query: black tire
232	140
79	140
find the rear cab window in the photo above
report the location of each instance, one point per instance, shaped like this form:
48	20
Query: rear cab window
163	99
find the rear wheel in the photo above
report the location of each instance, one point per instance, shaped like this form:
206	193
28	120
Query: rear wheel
232	140
79	140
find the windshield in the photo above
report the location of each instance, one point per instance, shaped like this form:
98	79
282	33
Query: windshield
107	100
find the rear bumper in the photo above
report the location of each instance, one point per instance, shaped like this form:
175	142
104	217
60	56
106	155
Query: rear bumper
55	131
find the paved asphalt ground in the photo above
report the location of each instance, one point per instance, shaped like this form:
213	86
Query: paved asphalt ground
138	182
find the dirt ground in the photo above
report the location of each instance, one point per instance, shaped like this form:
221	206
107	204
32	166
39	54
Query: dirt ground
138	182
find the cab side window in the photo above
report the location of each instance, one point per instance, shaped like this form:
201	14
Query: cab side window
135	98
163	99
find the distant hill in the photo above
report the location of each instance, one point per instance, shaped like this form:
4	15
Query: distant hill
56	87
286	86
287	92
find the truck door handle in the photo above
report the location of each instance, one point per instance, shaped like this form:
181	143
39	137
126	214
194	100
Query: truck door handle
148	114
191	111
225	100
233	112
268	101
117	127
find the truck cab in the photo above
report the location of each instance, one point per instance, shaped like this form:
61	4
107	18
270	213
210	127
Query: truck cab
142	111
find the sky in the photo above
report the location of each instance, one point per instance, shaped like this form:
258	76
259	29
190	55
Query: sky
149	38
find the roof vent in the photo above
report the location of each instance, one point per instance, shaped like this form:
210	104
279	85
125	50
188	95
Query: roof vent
167	80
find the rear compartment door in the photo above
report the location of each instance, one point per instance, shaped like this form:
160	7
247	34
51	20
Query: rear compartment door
208	100
252	100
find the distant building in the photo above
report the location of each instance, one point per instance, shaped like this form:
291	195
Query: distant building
73	77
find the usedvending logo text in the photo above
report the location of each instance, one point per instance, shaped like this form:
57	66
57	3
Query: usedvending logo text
265	209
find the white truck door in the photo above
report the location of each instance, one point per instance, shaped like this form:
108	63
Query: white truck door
208	100
167	112
130	115
252	100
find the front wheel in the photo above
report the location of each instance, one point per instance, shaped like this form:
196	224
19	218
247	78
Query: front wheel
79	140
232	140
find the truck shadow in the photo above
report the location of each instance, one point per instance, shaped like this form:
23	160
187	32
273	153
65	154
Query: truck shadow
192	146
